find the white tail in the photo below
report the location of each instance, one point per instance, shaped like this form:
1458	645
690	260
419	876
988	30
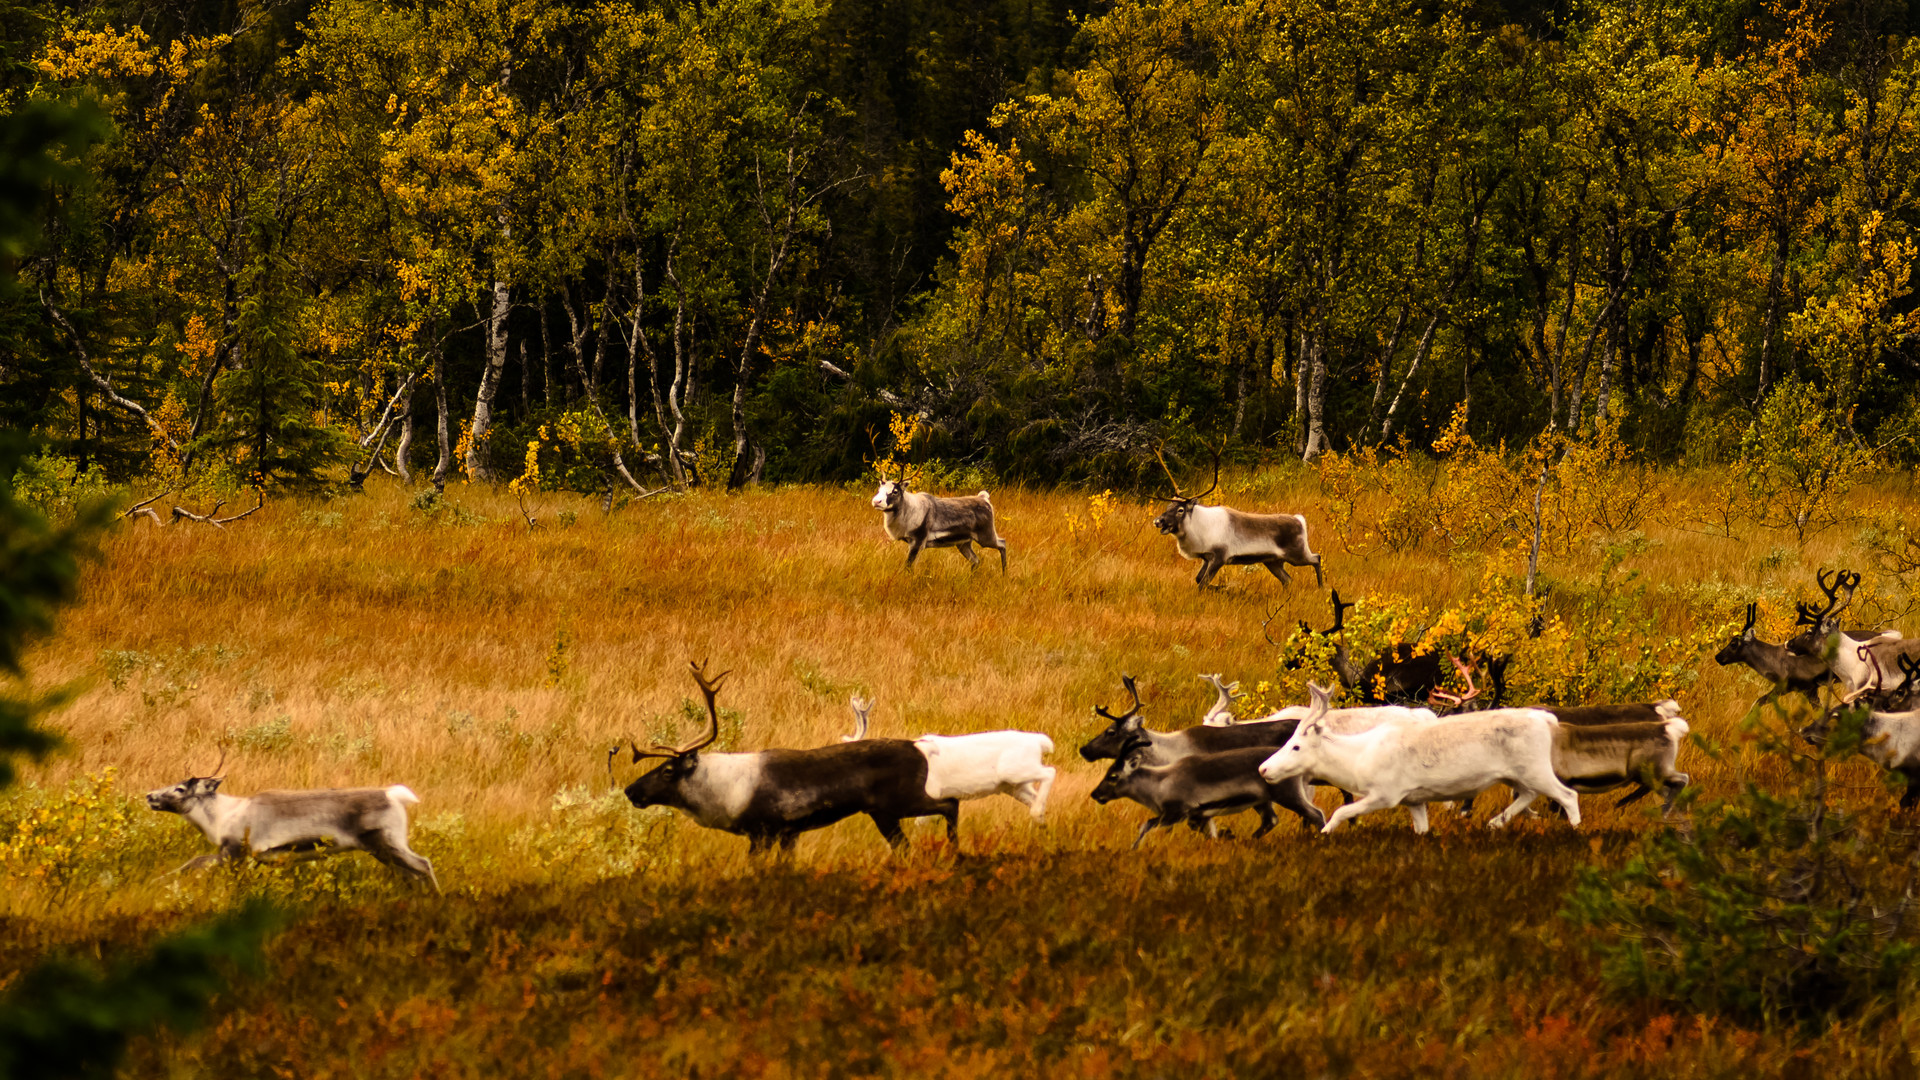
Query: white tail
402	793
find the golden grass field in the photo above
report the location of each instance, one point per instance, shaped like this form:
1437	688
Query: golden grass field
360	641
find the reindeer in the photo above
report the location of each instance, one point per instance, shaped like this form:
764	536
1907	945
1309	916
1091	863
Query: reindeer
1198	788
772	796
1803	675
1865	662
1220	536
1126	732
1412	764
296	823
920	521
1403	675
1822	623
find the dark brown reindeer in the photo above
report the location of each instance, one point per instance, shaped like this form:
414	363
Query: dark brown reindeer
772	796
1403	675
1221	536
920	520
1803	675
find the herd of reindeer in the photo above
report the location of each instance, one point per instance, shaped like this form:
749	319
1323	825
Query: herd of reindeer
1410	743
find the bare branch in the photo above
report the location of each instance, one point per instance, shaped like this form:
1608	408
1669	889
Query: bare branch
99	381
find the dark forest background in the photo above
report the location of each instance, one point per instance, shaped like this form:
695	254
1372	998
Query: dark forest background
607	246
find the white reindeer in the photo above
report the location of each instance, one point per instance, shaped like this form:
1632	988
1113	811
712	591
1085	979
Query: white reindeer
1412	764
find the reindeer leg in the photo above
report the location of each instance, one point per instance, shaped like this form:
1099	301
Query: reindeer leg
1268	819
195	863
1209	566
1279	570
1675	785
913	549
1293	795
951	811
890	828
1152	823
1001	546
1912	794
401	858
965	547
1319	579
1640	791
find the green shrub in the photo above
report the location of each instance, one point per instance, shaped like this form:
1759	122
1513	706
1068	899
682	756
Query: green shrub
1764	907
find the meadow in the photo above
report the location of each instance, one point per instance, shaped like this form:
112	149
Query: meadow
447	645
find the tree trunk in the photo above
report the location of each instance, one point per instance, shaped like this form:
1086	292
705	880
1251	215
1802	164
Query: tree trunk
1419	356
1299	351
526	377
444	463
681	390
577	341
546	357
1770	330
404	446
479	455
1242	370
1386	371
1316	397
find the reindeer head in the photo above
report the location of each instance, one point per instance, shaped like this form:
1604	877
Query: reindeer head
890	494
660	787
1301	752
1110	786
1173	519
1122	733
189	793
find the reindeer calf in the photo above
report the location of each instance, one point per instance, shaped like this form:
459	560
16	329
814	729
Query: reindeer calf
373	820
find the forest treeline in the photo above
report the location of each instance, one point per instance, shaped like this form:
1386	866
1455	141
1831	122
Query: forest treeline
613	246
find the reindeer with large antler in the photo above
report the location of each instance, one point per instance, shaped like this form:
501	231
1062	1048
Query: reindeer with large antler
296	823
1864	661
920	520
1221	536
772	796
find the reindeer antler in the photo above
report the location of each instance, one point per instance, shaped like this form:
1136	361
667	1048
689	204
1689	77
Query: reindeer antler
861	707
1126	680
1339	614
1162	458
710	688
1221	449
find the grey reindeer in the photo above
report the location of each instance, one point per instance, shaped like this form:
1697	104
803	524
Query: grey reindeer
296	823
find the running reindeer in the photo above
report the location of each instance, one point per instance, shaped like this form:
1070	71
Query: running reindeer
296	823
1221	536
920	520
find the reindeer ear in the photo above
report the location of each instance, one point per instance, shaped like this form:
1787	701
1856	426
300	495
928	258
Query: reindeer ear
210	784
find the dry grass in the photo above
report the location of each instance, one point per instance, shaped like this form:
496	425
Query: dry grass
402	648
362	641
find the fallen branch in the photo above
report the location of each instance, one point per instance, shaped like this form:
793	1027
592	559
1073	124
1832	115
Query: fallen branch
144	508
211	517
